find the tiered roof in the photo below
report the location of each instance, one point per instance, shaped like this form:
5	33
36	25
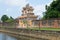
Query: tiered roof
28	12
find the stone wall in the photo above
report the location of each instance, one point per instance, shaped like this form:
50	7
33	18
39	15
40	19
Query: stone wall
50	23
8	25
32	34
0	24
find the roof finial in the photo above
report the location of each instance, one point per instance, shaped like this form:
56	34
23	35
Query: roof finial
27	5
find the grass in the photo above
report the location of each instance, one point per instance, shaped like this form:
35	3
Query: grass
51	29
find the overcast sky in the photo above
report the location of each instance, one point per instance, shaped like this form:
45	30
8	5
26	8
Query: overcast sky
14	7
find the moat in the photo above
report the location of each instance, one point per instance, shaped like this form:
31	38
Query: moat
6	37
28	34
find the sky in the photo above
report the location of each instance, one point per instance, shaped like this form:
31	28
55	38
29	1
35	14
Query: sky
14	7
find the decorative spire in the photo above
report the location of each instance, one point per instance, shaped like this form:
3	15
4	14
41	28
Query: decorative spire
27	5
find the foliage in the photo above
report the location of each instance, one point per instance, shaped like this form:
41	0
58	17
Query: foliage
53	11
10	20
25	21
5	18
48	29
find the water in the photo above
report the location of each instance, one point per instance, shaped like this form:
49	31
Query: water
6	37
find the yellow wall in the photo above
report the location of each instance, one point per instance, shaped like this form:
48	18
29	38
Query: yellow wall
21	24
30	22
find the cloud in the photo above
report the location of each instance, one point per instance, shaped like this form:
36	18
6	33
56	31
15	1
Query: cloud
49	3
39	9
0	0
16	2
5	13
13	4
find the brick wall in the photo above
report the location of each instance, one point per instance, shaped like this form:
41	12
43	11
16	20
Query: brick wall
50	23
6	24
0	24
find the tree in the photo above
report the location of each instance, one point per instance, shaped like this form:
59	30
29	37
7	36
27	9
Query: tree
10	20
53	11
4	18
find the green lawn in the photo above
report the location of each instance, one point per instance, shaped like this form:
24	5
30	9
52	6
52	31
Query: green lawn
52	29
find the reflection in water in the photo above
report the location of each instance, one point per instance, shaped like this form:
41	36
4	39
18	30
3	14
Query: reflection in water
3	37
6	37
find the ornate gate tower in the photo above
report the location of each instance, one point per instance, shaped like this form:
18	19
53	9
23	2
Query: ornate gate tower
27	16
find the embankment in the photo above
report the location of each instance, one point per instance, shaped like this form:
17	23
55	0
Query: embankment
29	34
